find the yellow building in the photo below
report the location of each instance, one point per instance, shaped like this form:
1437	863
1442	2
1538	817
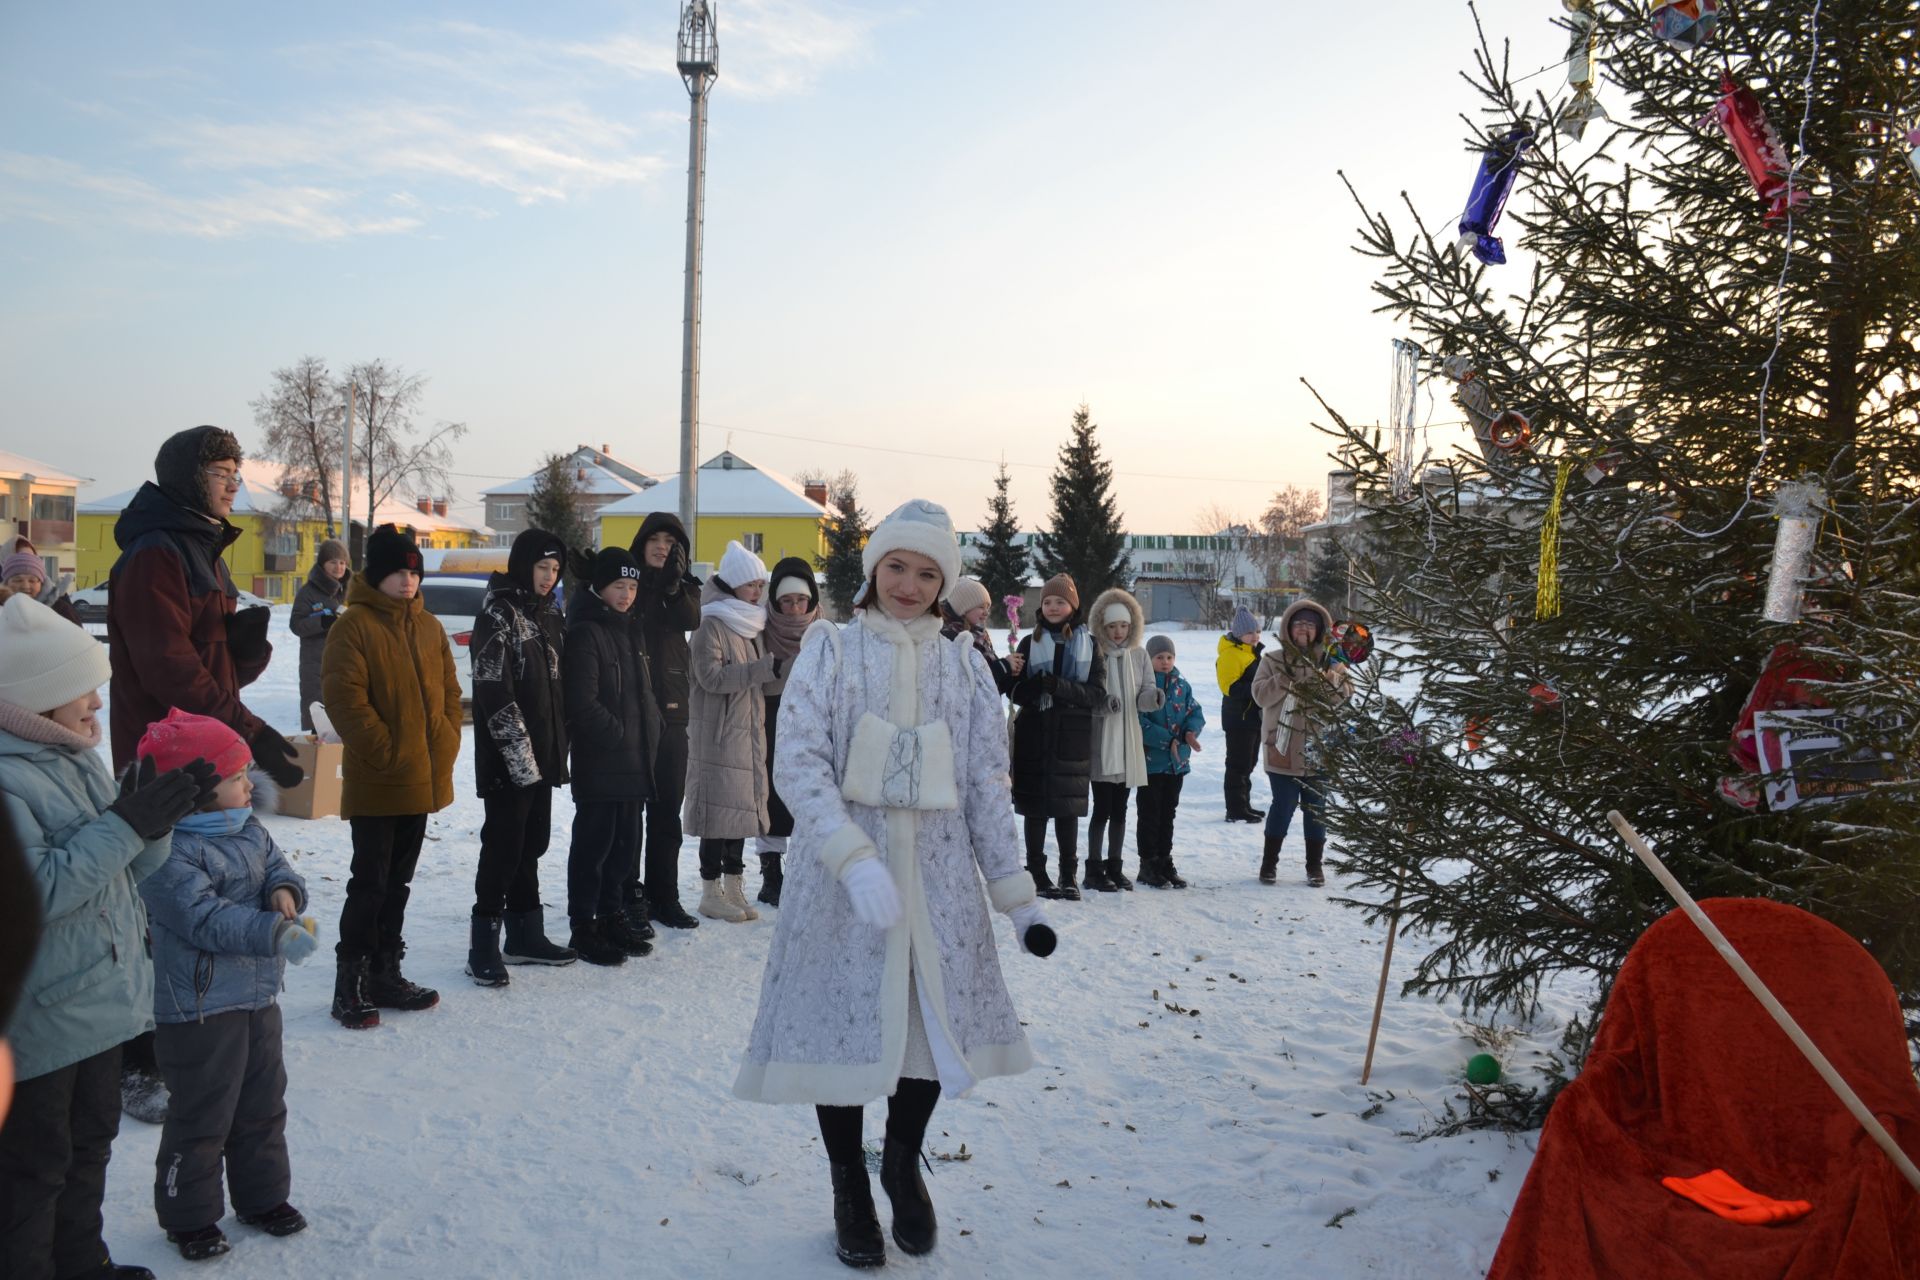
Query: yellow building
769	514
37	503
274	551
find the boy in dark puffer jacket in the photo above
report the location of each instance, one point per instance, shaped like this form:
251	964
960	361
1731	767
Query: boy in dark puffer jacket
614	728
1172	735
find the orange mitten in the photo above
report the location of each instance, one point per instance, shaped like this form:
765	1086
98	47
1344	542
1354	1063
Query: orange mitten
1717	1192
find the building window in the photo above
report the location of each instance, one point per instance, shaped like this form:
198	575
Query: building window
53	506
505	511
6	506
754	542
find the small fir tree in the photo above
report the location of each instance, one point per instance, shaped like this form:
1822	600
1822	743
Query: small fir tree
847	531
1001	562
1084	540
555	504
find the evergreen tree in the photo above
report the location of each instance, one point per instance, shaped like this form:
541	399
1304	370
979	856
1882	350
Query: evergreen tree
1084	539
847	533
555	503
1001	562
1680	358
1328	581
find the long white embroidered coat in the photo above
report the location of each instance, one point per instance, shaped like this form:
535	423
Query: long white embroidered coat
832	1024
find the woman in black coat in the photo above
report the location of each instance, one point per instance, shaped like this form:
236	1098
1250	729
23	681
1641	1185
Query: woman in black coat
1060	685
315	609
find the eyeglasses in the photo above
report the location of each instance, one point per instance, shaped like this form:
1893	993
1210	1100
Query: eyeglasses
231	479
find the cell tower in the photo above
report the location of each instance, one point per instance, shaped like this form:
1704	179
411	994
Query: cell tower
699	63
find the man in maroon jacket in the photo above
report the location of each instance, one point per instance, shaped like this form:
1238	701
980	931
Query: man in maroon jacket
173	634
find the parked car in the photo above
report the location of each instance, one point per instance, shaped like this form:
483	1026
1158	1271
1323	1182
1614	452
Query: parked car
91	604
456	602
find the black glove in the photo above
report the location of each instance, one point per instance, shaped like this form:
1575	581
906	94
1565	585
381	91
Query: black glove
275	754
247	633
779	665
151	805
677	562
327	620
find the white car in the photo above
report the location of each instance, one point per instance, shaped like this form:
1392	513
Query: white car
456	602
91	604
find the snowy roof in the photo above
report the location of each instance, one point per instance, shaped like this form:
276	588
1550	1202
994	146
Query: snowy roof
16	466
260	496
729	486
599	473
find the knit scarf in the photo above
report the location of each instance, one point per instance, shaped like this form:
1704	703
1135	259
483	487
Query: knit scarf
29	727
735	614
1070	657
784	631
1123	748
216	822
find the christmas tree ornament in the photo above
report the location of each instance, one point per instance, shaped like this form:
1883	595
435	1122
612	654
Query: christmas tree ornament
1499	167
1351	644
1474	733
1475	400
1546	597
1483	1069
1013	604
1913	150
1686	24
1739	114
1544	698
1583	108
1797	507
1405	395
1510	432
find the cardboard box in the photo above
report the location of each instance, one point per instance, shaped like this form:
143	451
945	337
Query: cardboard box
319	795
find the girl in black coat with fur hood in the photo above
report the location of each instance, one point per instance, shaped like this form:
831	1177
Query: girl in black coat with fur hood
1062	683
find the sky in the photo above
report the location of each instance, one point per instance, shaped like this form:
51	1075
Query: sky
933	230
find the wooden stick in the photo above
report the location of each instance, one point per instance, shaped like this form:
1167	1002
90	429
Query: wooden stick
1380	995
1811	1051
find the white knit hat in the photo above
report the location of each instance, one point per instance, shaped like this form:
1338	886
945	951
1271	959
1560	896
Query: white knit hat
917	525
740	566
48	661
967	595
792	586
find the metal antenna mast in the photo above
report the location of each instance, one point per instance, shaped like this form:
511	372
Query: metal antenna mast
699	63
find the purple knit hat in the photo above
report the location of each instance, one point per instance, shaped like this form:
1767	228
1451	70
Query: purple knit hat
23	562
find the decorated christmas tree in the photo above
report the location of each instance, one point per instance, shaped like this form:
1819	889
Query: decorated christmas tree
1674	566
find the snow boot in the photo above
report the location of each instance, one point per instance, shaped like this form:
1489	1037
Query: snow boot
1173	877
388	988
618	928
716	905
671	914
351	1008
201	1243
1117	874
1316	874
914	1226
527	941
143	1095
1068	890
736	891
1270	860
1096	880
771	878
1150	873
590	940
637	917
111	1270
281	1220
856	1227
1042	882
484	965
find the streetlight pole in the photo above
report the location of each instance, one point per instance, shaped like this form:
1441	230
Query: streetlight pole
699	63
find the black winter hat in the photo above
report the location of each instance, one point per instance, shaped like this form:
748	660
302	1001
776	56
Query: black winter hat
388	551
185	454
609	565
530	547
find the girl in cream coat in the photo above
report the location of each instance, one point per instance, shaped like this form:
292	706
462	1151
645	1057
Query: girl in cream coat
883	979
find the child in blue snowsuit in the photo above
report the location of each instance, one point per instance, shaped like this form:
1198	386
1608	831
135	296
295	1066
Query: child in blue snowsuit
1172	735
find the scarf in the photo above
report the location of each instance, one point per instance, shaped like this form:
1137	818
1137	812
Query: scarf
735	614
784	631
216	822
1068	656
1123	748
29	727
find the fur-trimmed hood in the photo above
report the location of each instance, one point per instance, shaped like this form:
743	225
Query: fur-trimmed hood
1298	607
1097	620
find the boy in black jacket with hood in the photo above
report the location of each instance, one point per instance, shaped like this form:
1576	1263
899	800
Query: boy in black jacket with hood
668	608
519	754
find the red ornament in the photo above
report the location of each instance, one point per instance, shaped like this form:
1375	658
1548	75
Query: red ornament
1758	146
1544	698
1476	732
1510	431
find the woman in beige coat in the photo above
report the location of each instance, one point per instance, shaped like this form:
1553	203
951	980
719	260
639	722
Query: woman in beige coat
727	786
1294	688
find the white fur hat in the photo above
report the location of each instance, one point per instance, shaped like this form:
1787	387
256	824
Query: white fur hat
917	525
740	566
49	661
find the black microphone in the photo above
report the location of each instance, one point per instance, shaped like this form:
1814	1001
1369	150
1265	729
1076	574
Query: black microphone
1040	939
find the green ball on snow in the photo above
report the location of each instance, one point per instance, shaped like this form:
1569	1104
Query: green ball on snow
1483	1068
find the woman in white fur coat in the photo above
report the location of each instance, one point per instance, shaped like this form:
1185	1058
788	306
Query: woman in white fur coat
1119	746
883	979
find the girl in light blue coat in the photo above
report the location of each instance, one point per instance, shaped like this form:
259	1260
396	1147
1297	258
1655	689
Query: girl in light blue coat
88	841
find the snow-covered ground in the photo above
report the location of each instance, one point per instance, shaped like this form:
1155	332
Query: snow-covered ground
1196	1110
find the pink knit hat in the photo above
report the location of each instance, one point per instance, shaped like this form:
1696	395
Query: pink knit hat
23	562
183	737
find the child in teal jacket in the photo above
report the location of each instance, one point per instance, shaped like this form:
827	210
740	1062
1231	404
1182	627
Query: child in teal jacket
1172	735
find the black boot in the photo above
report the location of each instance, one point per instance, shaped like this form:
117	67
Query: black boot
1270	860
671	914
856	1227
201	1243
591	942
1150	873
527	941
351	1008
618	928
1096	878
1042	883
770	879
1167	870
484	965
111	1270
388	988
914	1226
1069	867
1316	846
281	1220
638	920
1117	874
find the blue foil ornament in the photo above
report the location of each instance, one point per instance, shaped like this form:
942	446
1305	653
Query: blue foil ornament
1499	166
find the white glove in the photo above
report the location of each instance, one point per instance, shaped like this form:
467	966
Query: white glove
869	886
1024	918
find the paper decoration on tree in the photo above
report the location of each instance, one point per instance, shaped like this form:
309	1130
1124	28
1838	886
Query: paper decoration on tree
1499	167
1738	112
1913	150
1686	24
1402	434
1797	507
1583	108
